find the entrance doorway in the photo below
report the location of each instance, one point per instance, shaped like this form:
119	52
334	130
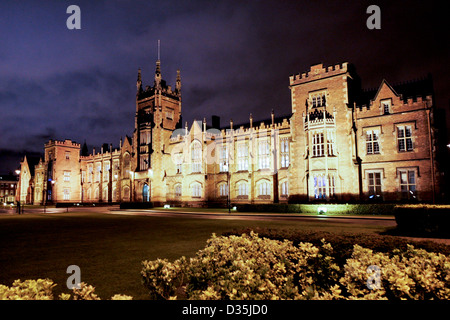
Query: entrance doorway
145	193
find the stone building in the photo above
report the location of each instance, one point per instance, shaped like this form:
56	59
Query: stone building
340	143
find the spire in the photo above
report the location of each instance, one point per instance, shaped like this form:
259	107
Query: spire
158	75
178	84
139	81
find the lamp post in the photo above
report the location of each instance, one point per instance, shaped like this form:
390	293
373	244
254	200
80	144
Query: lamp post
19	190
132	189
227	167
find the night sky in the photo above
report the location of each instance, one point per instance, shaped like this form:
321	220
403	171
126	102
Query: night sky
235	59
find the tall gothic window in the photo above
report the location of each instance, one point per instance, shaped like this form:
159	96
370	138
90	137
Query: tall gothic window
223	159
284	152
242	155
264	154
196	189
196	156
320	187
318	145
242	189
284	189
264	188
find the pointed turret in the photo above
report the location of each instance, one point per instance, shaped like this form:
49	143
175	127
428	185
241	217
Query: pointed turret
158	75
178	84
139	81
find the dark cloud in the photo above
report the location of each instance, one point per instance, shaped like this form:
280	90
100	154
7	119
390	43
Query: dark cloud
235	59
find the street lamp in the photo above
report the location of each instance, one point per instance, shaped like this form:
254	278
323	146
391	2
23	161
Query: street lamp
132	189
227	168
18	190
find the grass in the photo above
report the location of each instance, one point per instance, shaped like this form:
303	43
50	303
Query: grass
109	248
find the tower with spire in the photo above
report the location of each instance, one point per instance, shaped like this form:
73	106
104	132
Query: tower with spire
158	114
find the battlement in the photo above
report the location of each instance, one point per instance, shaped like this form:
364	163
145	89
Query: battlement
284	124
318	71
65	143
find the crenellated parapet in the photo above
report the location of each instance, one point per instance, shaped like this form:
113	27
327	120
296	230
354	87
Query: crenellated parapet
318	71
65	143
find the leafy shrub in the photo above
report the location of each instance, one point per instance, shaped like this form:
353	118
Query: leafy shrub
413	274
343	242
252	267
42	289
245	267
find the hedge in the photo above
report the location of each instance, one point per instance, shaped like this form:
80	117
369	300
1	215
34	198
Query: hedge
357	209
423	218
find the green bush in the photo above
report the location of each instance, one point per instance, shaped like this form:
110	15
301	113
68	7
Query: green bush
423	218
252	267
42	289
353	209
343	243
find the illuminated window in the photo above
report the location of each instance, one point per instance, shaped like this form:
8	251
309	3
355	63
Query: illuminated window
66	193
223	159
223	190
178	190
318	148
242	189
196	190
284	189
196	156
179	162
331	148
404	138
372	142
408	184
91	172
66	175
126	166
320	187
106	171
374	183
386	106
284	152
264	154
242	154
318	99
98	172
264	188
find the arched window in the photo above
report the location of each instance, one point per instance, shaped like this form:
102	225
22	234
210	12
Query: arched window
264	188
126	166
242	189
196	156
284	189
177	190
126	193
105	194
223	189
196	189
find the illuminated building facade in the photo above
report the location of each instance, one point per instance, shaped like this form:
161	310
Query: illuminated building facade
340	143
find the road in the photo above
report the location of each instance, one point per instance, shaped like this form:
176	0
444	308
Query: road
385	221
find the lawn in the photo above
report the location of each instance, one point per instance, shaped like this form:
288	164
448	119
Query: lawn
109	248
